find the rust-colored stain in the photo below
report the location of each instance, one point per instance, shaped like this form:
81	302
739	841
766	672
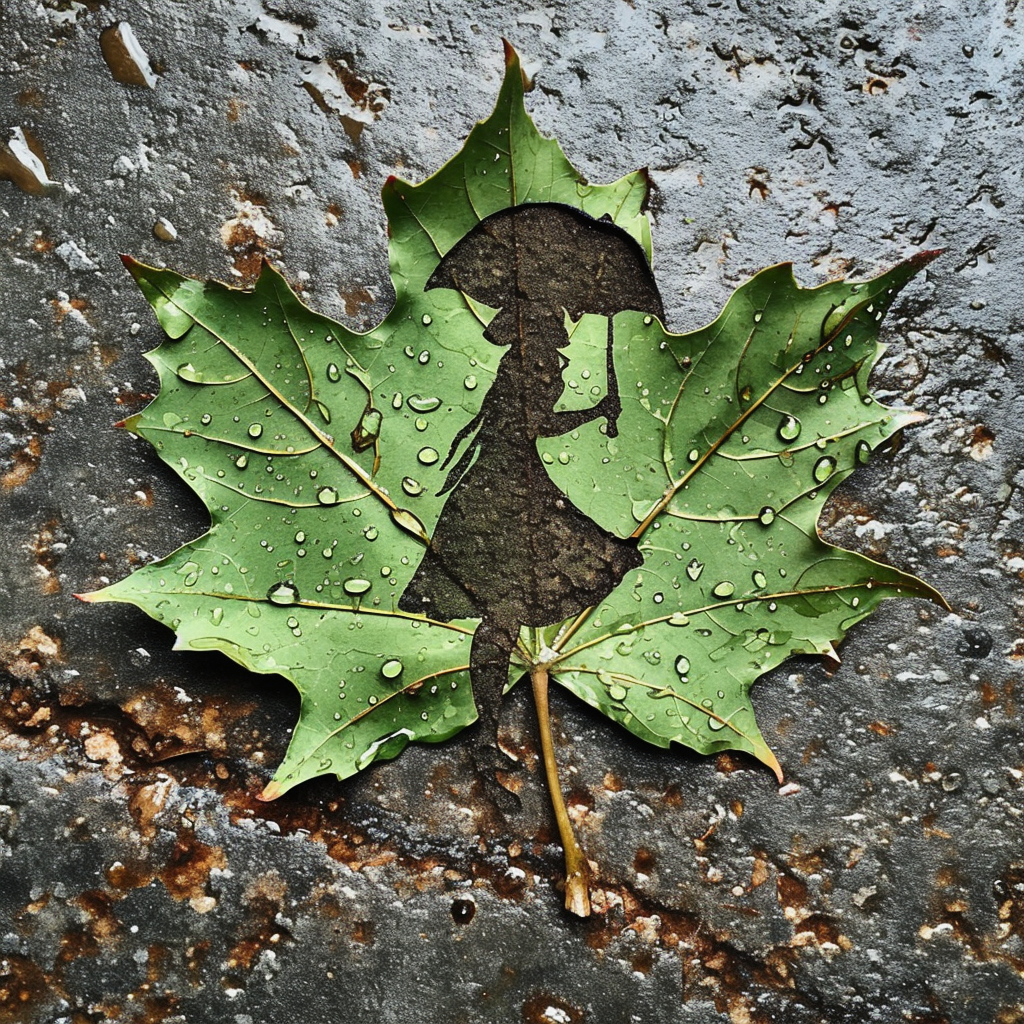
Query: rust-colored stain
187	872
881	728
26	658
64	307
757	181
248	235
23	985
47	545
981	443
546	1008
364	932
263	898
26	462
355	299
644	861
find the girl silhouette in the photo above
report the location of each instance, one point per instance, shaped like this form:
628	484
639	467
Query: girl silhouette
510	548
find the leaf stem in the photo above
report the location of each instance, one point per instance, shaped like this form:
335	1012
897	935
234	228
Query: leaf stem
577	870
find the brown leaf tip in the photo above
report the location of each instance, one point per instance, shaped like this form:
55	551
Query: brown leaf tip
271	791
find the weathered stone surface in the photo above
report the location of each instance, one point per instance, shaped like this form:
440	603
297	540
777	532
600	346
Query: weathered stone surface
139	878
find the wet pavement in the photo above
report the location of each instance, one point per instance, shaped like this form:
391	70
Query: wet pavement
141	880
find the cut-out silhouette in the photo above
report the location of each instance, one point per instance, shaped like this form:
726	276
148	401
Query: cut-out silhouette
510	548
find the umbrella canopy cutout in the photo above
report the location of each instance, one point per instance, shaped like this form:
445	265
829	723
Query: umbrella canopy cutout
534	260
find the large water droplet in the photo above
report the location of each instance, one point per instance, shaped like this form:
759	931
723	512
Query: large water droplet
419	403
617	691
217	615
759	578
682	666
412	487
356	586
188	372
862	453
824	468
283	593
789	428
724	589
766	516
333	373
327	496
242	461
427	319
255	429
392	668
428	456
470	382
694	569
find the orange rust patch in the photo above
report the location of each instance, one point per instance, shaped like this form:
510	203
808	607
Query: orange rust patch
26	462
146	803
644	861
981	443
545	1008
729	761
759	874
28	656
103	924
188	871
881	728
23	986
355	299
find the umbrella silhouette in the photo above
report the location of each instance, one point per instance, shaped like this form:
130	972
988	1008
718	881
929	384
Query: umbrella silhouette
510	548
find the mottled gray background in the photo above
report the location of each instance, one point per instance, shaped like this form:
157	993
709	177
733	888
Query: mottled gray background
139	878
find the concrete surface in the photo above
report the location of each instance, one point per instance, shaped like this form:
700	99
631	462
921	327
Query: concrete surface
139	878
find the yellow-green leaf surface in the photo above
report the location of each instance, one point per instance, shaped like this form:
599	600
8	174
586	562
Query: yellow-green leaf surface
318	452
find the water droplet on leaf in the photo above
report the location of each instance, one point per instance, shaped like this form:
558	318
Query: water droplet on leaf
284	593
418	403
789	428
824	468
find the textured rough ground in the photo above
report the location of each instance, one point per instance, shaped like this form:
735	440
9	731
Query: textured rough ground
139	879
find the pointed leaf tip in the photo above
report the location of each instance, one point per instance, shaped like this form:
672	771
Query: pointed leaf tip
271	791
510	53
922	259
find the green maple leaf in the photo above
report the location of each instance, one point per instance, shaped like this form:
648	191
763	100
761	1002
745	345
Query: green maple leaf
319	453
